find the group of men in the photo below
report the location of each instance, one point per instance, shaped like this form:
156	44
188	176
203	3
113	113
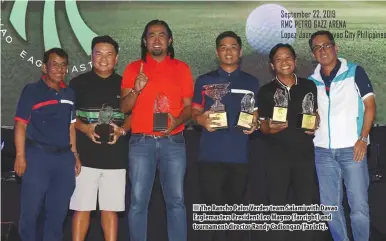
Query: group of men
66	163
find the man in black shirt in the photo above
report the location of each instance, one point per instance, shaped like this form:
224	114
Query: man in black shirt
290	159
104	159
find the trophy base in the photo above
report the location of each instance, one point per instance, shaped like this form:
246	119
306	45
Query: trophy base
220	120
244	121
279	115
104	132
306	122
160	121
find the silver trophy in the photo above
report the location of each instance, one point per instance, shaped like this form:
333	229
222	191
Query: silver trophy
281	106
245	119
308	104
160	115
307	119
248	103
217	92
103	128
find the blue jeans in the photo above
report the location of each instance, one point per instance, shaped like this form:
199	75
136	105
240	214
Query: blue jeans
332	165
169	156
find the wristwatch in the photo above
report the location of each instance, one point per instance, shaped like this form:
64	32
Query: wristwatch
364	139
123	132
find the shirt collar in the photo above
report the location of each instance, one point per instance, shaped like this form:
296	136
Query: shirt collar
62	85
333	72
99	77
224	73
284	85
153	62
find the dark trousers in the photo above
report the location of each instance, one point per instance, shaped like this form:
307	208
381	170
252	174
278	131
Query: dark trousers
50	180
220	184
291	171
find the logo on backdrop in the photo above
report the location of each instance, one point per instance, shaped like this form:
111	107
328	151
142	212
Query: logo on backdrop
82	32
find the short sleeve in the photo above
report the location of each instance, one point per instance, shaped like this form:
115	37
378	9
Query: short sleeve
256	92
72	87
24	105
187	83
363	83
265	104
128	78
198	98
73	114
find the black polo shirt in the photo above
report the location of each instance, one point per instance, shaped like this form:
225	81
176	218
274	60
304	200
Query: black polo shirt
225	145
91	92
47	113
291	136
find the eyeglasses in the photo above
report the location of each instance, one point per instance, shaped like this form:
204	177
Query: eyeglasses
318	48
59	66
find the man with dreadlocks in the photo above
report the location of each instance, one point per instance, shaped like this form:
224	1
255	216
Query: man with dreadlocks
158	89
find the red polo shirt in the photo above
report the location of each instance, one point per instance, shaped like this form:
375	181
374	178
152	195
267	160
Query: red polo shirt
170	77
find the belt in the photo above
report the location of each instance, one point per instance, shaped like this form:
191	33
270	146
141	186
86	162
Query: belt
53	149
155	136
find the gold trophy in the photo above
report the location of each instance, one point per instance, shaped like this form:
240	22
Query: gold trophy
245	119
307	119
280	109
217	92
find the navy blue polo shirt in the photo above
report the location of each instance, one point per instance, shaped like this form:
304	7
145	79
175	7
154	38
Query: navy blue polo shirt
231	144
47	113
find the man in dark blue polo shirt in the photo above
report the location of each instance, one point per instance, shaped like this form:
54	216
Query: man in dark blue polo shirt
46	155
223	155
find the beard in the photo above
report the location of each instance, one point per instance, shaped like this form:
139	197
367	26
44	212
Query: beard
156	52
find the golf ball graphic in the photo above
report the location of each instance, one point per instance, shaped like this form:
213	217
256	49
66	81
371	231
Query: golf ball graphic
266	27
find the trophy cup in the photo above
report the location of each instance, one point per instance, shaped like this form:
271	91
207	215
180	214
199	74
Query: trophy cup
281	106
307	119
103	128
161	109
217	92
245	119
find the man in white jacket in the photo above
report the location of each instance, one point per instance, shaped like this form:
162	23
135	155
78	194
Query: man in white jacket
346	106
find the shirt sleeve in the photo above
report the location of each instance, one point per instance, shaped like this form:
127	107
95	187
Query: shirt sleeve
129	76
363	83
73	109
256	92
76	98
187	86
73	114
198	96
24	105
74	86
265	104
